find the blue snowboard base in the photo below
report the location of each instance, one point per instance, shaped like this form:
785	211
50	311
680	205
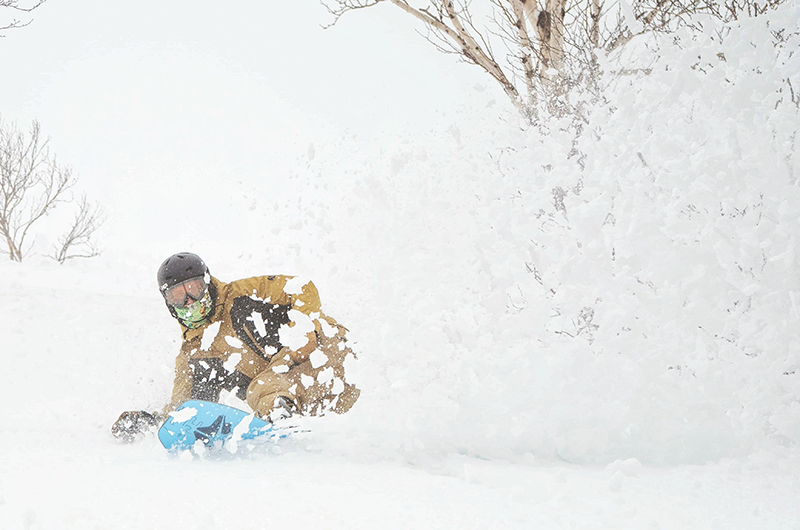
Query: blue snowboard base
213	425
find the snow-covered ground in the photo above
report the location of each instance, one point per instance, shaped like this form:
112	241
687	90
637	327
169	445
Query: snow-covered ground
604	337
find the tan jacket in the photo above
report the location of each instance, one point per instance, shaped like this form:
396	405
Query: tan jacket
266	338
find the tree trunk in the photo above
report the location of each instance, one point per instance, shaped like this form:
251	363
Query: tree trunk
594	29
550	27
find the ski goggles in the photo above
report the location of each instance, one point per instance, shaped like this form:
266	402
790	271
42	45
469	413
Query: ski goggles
178	295
194	315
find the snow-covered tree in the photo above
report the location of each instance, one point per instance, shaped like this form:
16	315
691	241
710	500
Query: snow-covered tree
553	46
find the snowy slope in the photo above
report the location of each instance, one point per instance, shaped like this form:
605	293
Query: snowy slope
605	339
61	469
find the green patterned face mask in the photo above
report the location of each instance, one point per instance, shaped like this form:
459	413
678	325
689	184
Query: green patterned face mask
194	315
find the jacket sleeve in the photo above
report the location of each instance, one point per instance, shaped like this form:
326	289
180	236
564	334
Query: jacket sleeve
307	301
301	336
275	313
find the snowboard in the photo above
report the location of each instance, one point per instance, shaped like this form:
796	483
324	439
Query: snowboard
213	425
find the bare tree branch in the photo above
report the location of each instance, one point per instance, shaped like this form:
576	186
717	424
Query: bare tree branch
13	5
77	242
32	184
552	44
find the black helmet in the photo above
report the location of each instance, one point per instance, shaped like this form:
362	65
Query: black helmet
179	268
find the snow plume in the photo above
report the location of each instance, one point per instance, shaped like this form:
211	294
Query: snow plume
209	334
258	322
294	334
295	285
628	294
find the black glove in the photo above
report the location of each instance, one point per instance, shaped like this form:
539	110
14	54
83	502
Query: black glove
132	424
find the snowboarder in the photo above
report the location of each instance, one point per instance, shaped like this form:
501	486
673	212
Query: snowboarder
263	340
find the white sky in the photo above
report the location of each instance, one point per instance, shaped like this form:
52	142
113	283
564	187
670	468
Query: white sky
152	95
